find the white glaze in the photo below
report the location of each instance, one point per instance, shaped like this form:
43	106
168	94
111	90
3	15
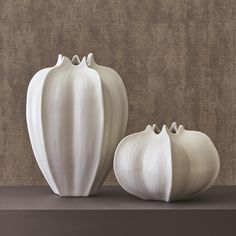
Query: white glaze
76	114
168	165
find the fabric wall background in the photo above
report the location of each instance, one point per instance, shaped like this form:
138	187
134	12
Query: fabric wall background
176	57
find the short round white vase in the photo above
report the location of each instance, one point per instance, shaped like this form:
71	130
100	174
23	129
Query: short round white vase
168	165
76	115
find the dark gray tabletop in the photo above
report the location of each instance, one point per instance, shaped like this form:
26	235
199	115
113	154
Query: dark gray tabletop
111	198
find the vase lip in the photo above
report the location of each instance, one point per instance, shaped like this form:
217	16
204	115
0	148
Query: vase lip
174	129
90	60
75	60
66	60
59	59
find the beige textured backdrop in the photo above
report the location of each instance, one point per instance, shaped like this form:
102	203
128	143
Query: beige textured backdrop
176	57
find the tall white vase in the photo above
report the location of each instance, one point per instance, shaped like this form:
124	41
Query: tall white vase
76	115
168	165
